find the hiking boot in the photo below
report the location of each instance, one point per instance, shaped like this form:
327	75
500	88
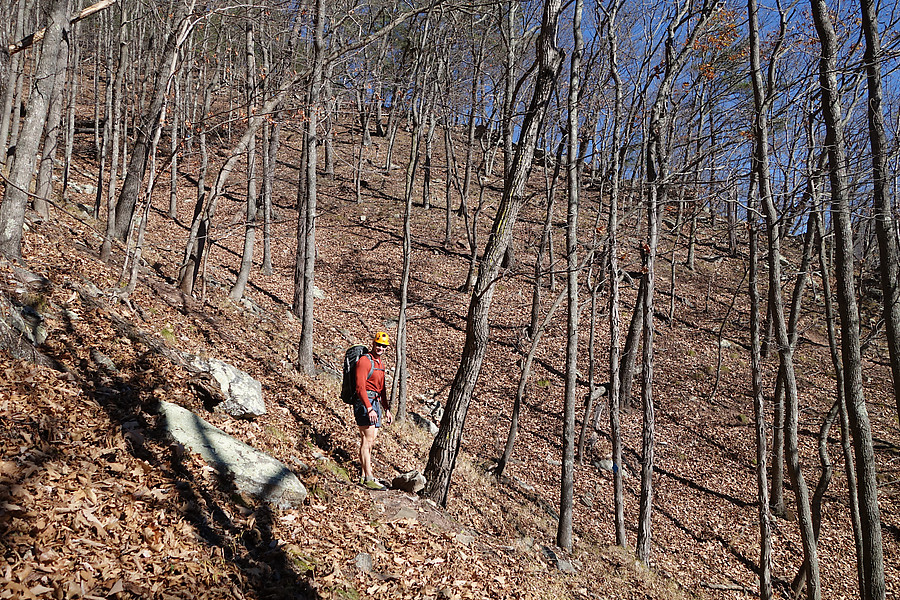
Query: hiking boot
372	484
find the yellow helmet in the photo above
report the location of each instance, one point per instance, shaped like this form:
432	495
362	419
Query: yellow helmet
382	339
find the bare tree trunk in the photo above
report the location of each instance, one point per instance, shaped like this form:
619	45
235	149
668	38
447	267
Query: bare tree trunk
196	248
173	147
567	476
613	276
451	175
545	240
44	187
195	254
271	153
849	465
884	218
442	457
12	91
398	389
305	347
472	235
478	60
429	151
873	584
74	78
330	109
522	387
759	407
101	134
137	165
656	160
114	116
632	345
763	92
15	198
243	276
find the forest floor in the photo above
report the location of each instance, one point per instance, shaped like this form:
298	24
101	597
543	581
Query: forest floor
94	502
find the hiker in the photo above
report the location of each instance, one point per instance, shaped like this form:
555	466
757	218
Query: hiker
370	408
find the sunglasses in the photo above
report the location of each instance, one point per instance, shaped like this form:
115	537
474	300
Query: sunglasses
381	346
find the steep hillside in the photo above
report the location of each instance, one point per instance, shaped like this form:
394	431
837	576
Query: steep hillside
94	502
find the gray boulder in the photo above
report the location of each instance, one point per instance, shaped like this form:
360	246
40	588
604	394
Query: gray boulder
28	322
255	473
243	394
423	423
606	464
412	482
435	410
558	561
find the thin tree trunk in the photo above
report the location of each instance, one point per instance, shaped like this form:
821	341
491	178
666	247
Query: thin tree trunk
429	151
13	87
114	116
873	584
759	407
271	149
849	465
243	276
74	78
137	165
173	148
632	345
545	240
884	218
330	110
524	375
398	390
305	346
196	248
613	276
763	92
567	475
656	159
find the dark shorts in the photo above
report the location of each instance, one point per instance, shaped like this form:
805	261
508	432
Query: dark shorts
362	415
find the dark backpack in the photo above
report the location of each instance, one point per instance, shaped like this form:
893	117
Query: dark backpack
348	385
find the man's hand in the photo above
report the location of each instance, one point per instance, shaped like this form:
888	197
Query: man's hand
388	417
373	416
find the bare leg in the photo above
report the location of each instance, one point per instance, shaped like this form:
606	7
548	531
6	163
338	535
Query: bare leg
366	443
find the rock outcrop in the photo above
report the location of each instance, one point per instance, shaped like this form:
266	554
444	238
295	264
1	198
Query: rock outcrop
254	472
243	394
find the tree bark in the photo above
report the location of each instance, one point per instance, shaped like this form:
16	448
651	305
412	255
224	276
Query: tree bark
444	450
615	433
243	276
12	87
15	198
763	92
632	345
137	165
567	476
884	217
305	346
656	160
873	584
759	407
44	187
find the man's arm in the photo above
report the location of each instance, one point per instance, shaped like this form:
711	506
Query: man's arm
362	374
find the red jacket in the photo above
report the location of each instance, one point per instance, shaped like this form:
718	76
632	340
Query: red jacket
375	383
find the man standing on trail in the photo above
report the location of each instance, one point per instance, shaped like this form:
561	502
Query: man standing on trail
371	408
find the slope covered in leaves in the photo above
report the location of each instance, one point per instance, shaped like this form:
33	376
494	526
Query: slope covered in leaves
94	502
